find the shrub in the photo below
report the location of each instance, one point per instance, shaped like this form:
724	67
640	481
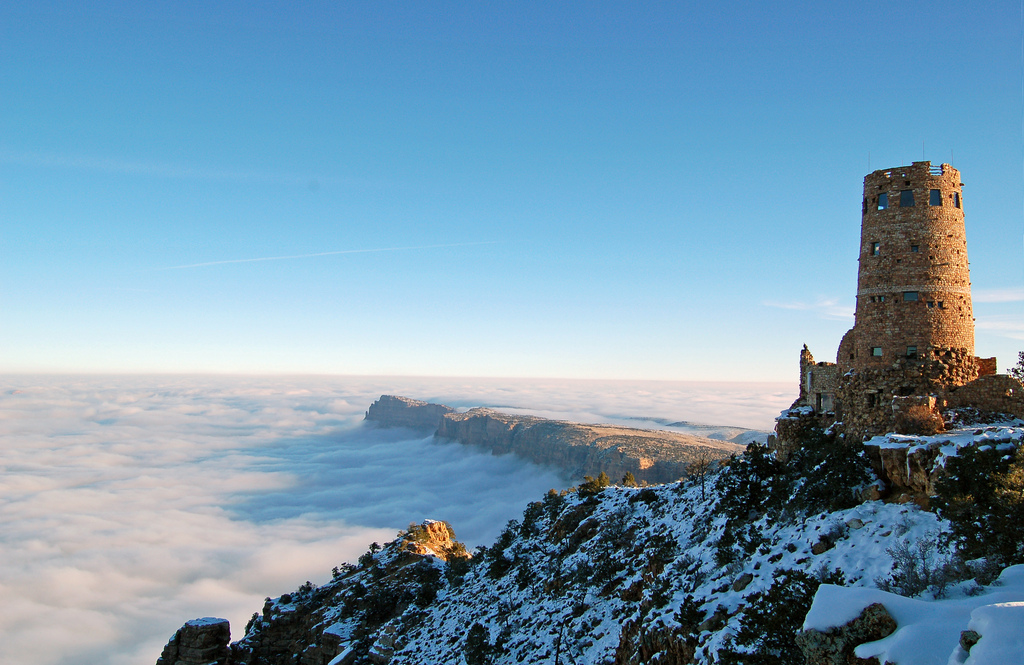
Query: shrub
753	482
1017	371
982	496
919	567
629	480
830	471
477	649
592	486
553	502
773	617
919	419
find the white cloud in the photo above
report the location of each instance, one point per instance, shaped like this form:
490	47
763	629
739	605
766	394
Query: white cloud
828	308
1011	294
131	504
1004	326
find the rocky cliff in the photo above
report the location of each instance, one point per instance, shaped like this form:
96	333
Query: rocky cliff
585	450
395	411
652	456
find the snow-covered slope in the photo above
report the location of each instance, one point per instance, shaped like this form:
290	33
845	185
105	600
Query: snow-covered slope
630	575
929	631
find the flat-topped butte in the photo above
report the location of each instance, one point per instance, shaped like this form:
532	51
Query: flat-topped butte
653	456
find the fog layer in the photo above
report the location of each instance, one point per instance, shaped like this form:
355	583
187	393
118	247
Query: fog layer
130	504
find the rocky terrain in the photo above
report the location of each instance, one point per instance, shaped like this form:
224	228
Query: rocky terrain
723	569
652	456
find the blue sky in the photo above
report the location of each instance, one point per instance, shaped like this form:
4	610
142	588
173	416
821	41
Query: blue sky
606	190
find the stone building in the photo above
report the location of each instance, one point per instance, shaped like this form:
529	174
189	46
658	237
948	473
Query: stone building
913	335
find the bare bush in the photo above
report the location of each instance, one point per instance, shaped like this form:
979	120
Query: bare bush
919	567
919	419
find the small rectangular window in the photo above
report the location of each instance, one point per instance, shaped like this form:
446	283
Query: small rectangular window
881	298
935	198
931	303
876	351
907	198
911	351
956	199
909	296
915	248
876	249
942	305
883	201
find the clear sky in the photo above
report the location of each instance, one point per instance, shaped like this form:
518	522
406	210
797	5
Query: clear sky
591	190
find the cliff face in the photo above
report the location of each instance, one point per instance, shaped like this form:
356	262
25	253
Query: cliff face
395	411
579	450
650	455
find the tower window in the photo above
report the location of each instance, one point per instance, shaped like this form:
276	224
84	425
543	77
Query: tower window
942	305
876	248
876	351
907	198
934	198
909	296
956	199
915	248
911	351
931	304
883	201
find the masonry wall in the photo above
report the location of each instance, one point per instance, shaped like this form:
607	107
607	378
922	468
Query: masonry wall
866	396
818	383
997	393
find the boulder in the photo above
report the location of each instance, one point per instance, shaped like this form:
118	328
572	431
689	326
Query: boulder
742	581
835	646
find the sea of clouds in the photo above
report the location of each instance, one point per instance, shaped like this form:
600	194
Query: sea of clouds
129	504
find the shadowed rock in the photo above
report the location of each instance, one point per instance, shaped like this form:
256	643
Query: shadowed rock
199	642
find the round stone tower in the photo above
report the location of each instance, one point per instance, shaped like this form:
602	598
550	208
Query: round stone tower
913	287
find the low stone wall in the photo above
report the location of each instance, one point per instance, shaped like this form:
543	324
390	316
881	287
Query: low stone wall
998	393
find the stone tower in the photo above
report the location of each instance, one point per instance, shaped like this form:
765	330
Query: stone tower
912	343
913	284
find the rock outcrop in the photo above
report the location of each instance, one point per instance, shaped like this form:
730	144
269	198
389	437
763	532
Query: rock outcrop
199	642
395	411
835	646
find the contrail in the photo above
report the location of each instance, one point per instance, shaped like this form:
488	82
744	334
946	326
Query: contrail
341	251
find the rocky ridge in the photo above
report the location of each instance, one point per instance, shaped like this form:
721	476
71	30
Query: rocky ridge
652	456
617	575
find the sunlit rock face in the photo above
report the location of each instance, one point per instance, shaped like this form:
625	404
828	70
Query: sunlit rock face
577	449
585	450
